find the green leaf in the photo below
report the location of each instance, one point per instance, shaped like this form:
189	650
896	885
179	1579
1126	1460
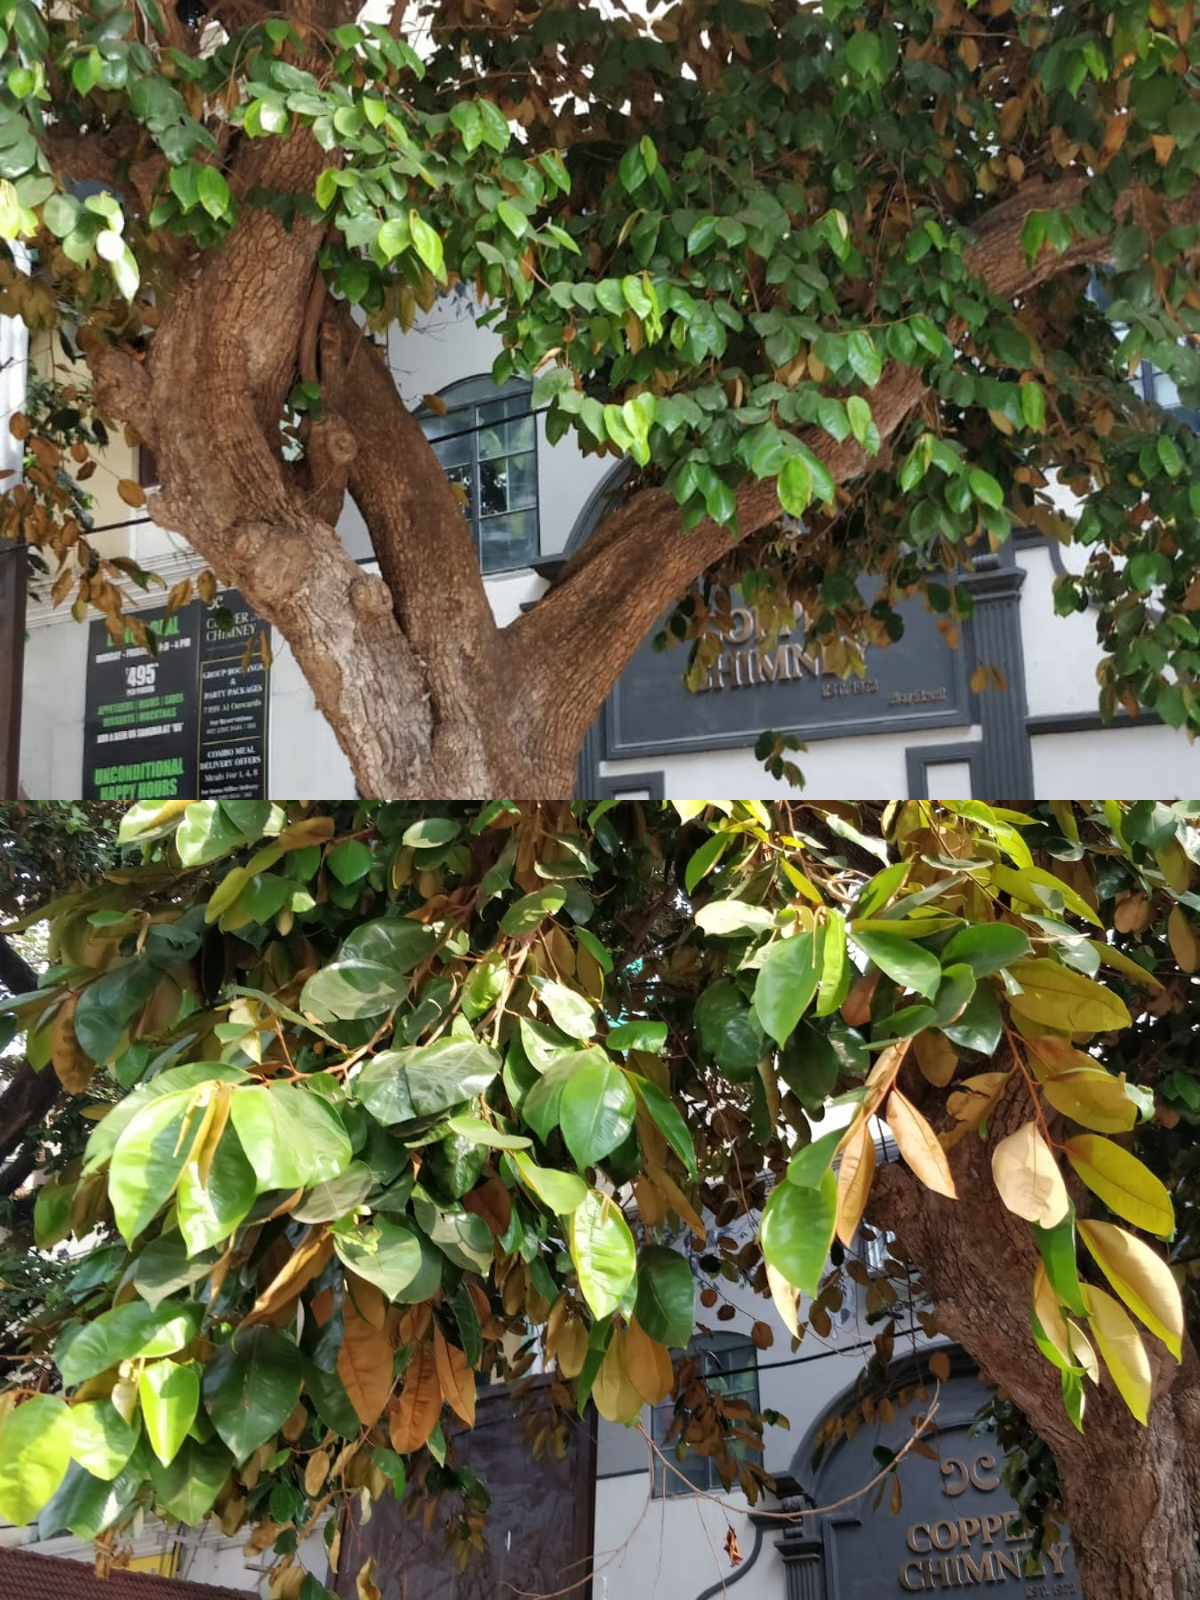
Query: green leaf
398	943
532	910
574	1014
428	245
147	1162
563	1192
795	486
170	1396
165	1266
35	1452
902	959
85	1504
787	982
1057	1247
979	1026
125	1332
102	1441
666	1296
808	1166
431	831
1033	406
596	1112
187	1487
986	947
639	1035
862	424
797	1231
386	1253
250	1386
206	832
107	1007
985	488
729	1030
292	1137
347	990
665	1115
103	1142
864	358
208	1213
400	1085
602	1249
350	861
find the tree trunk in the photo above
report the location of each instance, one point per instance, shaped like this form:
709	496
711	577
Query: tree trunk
28	1095
1131	1494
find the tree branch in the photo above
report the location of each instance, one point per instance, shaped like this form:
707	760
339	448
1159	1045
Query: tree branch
606	601
28	1095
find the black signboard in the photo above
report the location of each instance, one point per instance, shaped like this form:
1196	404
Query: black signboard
953	1526
190	723
757	684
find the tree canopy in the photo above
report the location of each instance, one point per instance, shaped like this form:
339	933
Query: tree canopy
884	268
407	1096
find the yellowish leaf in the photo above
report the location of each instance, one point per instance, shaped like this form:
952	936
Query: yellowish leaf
1124	1183
1049	1314
973	1098
420	1402
1059	997
1121	1346
315	1472
132	493
1183	939
1142	1279
1028	1178
855	1173
647	1364
786	1297
1081	1349
456	1376
1095	1098
919	1145
936	1057
364	1365
616	1398
72	1066
939	1365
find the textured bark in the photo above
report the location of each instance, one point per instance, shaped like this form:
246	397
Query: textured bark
426	696
1130	1493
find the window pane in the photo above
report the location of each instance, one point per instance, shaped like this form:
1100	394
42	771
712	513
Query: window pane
493	487
505	427
522	480
510	541
450	452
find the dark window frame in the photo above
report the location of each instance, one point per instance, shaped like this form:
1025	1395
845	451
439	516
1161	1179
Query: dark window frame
700	1471
463	401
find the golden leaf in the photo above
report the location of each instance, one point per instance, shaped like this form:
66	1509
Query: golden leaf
1183	939
616	1398
1027	1176
304	1263
647	1364
939	1365
786	1297
936	1057
132	493
855	1173
919	1146
1121	1346
315	1472
1142	1279
364	1365
73	1067
1124	1183
456	1377
420	1402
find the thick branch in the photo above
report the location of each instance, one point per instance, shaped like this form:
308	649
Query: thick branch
609	598
28	1095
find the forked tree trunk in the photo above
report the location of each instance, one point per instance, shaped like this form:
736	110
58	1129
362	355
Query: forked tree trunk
1131	1494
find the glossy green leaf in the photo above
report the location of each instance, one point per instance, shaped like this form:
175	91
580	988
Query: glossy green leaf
129	1330
187	1487
596	1112
571	1012
666	1296
349	989
797	1230
384	1252
902	959
787	982
209	1212
170	1395
986	947
398	943
729	1030
400	1085
35	1452
531	910
249	1387
639	1035
101	1440
350	861
808	1166
291	1137
563	1192
667	1118
603	1251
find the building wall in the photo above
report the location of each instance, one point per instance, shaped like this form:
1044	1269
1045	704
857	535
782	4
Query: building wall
1045	740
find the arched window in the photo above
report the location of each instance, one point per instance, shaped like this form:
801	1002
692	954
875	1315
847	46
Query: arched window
487	442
